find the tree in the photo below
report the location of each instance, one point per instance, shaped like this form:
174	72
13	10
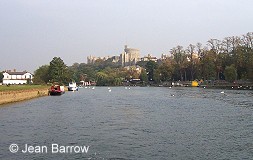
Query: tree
41	75
208	65
242	60
250	67
109	63
102	78
1	77
73	71
248	40
87	70
191	49
142	63
230	73
143	76
166	70
180	65
215	45
58	71
150	68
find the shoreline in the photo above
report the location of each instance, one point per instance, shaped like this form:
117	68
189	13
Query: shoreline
12	96
21	95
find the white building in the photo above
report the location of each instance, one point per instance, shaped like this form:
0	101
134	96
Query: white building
149	57
17	77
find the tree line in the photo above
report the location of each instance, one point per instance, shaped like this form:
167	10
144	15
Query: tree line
229	59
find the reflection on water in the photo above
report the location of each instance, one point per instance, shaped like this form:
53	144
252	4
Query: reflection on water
137	123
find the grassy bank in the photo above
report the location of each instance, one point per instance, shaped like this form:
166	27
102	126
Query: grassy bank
15	93
4	88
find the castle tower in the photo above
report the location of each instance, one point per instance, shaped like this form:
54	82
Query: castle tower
130	56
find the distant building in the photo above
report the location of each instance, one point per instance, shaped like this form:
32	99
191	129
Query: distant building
149	58
17	77
92	59
195	57
134	68
129	57
165	56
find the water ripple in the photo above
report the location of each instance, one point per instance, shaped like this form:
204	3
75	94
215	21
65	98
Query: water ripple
141	123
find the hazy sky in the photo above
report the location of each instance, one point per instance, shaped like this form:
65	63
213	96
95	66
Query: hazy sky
32	32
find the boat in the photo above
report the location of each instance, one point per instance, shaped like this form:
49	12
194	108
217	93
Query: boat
56	90
195	84
72	86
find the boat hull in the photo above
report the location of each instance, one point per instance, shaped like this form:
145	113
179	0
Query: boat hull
56	90
72	88
55	93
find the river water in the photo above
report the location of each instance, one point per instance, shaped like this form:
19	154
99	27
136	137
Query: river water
142	123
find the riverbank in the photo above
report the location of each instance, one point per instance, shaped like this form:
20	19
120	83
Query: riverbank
210	84
20	93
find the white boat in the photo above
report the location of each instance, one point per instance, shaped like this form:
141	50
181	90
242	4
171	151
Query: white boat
72	86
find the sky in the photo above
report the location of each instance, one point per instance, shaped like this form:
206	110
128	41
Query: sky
32	32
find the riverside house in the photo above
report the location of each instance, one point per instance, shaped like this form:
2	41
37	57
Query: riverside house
17	77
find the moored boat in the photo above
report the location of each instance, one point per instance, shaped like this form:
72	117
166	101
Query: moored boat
56	90
72	86
195	84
